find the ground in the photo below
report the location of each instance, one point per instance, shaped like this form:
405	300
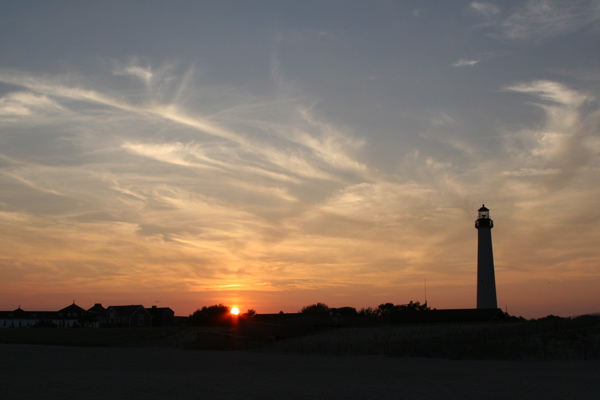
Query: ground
56	372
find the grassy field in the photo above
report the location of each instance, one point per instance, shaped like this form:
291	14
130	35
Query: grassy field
523	360
550	339
57	372
114	337
555	339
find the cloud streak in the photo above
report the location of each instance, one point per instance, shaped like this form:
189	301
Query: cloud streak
465	63
537	20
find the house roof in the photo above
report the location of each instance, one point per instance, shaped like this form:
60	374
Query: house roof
126	311
73	309
20	313
97	308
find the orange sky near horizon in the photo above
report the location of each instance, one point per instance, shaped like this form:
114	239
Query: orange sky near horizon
339	274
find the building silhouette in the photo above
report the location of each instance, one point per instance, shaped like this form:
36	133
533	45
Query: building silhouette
74	316
486	281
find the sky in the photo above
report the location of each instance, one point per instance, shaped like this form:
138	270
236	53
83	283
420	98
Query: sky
273	154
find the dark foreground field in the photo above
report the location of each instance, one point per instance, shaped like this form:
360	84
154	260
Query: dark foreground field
58	372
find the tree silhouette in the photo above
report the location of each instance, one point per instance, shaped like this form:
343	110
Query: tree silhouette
345	311
315	309
416	306
369	312
388	309
216	315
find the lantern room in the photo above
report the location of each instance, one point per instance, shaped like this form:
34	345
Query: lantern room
483	218
483	212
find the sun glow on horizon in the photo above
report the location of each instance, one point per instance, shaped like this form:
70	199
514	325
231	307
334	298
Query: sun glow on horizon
235	311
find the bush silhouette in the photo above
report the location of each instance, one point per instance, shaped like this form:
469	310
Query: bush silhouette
216	315
317	308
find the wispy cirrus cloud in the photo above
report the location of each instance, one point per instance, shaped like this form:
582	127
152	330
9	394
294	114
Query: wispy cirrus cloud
132	68
226	150
553	91
487	10
23	103
537	20
541	19
560	148
463	62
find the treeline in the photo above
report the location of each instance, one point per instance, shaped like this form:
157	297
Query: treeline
220	314
217	315
380	311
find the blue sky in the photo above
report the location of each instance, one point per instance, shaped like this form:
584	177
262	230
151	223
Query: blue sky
273	154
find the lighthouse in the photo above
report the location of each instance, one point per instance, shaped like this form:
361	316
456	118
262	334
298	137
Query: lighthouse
486	281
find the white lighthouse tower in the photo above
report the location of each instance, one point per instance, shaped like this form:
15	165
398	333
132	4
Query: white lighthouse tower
486	281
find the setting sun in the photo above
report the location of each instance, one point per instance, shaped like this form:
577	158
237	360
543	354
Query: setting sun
235	311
